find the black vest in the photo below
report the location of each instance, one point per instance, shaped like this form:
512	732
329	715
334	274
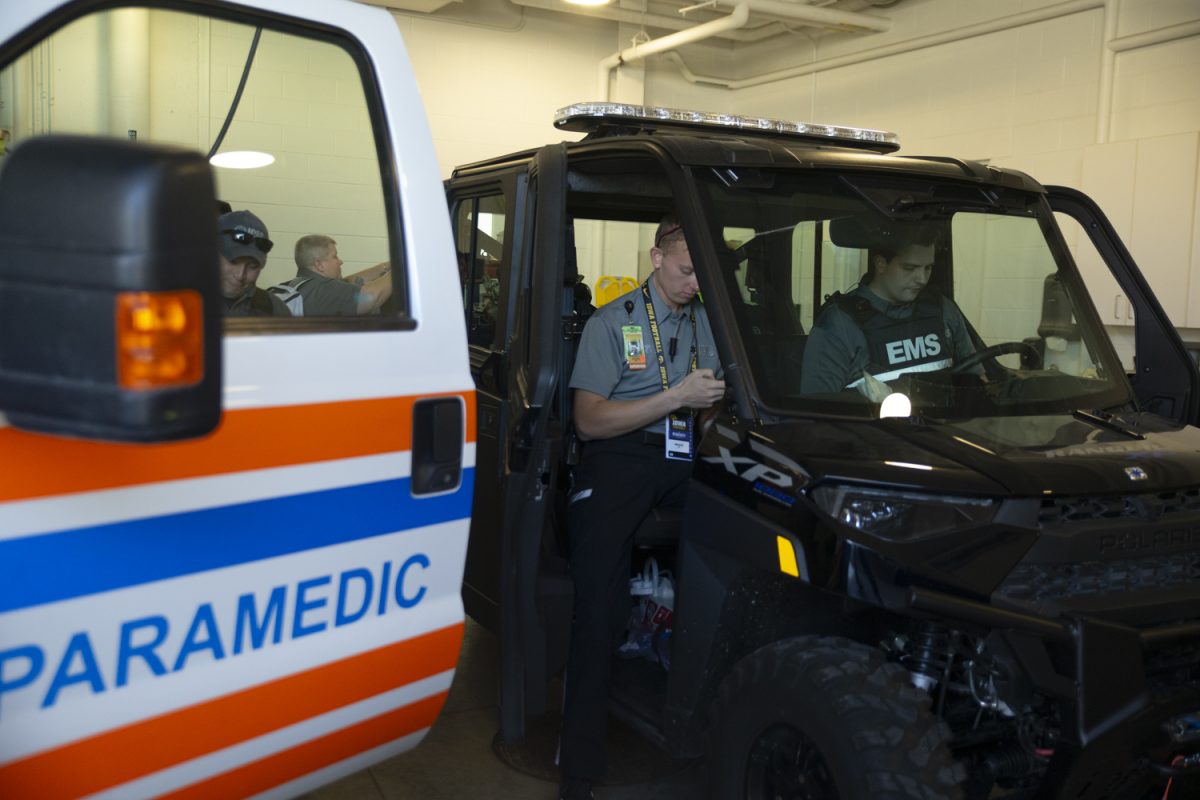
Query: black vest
894	346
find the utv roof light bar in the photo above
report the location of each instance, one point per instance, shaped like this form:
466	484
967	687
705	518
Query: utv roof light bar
593	118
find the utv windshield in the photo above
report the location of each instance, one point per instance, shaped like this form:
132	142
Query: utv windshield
851	288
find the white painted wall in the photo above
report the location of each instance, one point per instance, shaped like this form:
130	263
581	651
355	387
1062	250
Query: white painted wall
305	104
171	78
1031	95
1038	96
492	81
491	86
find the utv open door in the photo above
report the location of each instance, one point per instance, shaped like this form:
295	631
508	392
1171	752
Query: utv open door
1165	378
516	377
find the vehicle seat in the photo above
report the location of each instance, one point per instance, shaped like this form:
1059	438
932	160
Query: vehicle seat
780	357
577	309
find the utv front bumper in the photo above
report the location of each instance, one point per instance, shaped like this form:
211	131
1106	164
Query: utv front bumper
1127	694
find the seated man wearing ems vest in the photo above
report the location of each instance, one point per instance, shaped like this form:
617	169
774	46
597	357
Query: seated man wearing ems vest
889	325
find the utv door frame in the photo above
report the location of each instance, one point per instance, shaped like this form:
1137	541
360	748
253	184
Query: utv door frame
490	367
530	448
1166	381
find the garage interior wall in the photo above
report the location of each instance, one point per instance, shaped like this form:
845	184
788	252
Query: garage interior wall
1097	94
304	104
1094	94
170	77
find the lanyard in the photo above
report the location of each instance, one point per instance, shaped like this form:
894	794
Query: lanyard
658	351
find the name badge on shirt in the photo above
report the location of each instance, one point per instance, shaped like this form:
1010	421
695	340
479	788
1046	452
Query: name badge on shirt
635	350
678	437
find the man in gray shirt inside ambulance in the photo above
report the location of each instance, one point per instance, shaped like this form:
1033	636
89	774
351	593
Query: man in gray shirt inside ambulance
646	363
891	324
325	292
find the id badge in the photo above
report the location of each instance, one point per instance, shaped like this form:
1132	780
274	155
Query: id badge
635	350
678	439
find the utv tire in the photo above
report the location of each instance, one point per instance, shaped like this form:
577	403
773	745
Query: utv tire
823	718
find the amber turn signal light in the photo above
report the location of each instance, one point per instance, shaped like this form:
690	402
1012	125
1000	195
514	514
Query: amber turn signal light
160	341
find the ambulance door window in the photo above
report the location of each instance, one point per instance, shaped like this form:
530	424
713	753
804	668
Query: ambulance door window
289	117
483	261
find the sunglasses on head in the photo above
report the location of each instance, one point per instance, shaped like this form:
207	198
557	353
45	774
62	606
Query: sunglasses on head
665	234
245	237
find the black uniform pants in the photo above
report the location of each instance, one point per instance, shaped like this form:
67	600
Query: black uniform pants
617	482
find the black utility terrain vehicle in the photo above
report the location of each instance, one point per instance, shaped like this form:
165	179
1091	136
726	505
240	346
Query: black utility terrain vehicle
986	585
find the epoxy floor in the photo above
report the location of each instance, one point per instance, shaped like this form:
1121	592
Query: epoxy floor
457	761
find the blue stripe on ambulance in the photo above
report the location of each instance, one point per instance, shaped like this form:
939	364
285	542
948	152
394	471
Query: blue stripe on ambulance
51	567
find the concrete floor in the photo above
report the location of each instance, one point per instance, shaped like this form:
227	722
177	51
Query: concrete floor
456	759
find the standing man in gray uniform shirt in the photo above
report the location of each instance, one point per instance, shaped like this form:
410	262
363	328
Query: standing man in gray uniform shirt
326	293
646	363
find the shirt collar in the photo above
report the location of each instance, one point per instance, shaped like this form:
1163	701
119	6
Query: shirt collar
880	304
242	298
661	309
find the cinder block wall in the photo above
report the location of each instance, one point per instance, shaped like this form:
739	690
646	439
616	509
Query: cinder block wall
1035	95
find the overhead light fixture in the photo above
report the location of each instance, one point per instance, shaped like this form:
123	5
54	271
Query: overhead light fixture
242	159
588	2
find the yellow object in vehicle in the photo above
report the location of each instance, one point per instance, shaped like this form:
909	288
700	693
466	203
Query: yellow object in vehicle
610	287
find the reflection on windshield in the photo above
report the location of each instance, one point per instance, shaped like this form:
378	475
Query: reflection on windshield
848	290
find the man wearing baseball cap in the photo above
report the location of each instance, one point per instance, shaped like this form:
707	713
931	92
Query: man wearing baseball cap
243	244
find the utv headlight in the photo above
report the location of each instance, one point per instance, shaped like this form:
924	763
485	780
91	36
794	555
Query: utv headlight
901	516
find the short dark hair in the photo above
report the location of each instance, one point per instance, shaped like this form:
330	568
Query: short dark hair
889	238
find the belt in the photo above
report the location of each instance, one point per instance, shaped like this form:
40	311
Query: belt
655	439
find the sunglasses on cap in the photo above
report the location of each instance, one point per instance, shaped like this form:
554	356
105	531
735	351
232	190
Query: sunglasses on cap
245	237
666	233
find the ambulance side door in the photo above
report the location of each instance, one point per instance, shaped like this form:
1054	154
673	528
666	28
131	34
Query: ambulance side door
275	604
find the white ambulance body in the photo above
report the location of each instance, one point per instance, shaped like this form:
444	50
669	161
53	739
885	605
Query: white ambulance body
265	601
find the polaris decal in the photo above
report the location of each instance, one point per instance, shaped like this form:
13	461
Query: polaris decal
783	498
754	470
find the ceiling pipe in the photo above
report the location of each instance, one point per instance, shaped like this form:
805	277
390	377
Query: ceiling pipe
1108	72
747	34
740	15
706	30
852	21
1156	36
921	42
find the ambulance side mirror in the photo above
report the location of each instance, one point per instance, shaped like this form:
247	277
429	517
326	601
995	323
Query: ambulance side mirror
110	308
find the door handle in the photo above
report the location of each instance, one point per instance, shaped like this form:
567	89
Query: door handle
437	445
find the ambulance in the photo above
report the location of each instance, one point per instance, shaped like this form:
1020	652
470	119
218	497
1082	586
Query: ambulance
231	548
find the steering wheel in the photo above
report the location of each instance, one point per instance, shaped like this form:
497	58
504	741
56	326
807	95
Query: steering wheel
995	351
